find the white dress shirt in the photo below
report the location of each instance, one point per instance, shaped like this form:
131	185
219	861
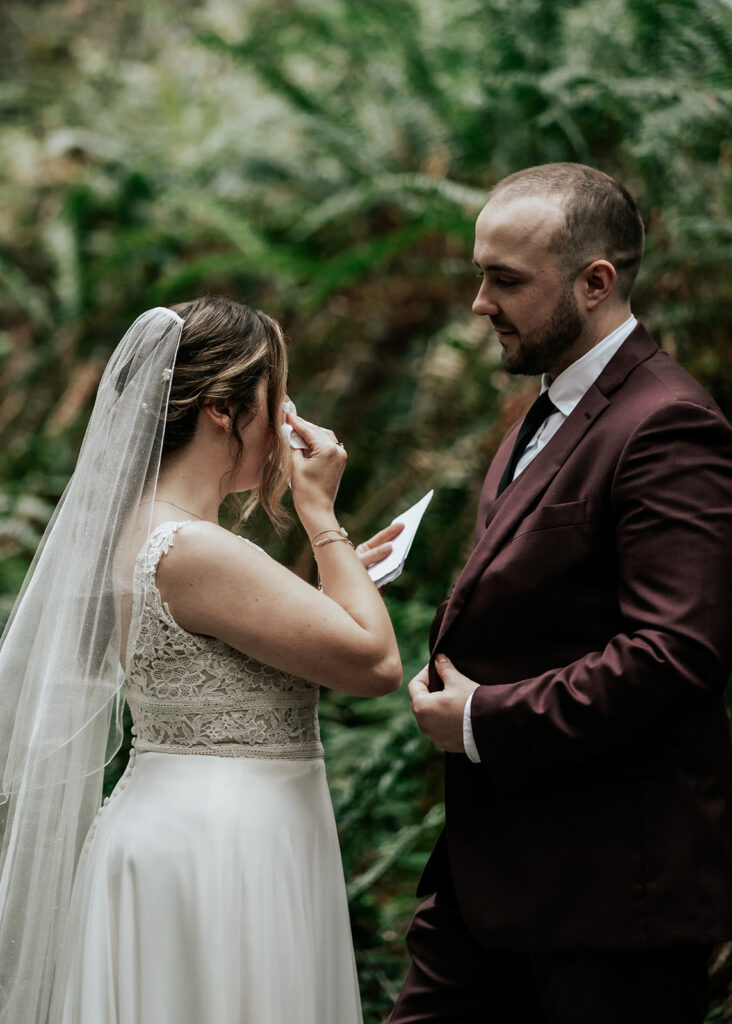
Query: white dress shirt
565	392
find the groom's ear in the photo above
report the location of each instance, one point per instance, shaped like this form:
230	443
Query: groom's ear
597	282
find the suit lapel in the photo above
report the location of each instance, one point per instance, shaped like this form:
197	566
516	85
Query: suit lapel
505	512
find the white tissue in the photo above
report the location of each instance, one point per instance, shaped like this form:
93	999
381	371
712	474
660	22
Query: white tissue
296	440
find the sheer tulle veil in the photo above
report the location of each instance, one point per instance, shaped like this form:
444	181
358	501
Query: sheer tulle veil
61	663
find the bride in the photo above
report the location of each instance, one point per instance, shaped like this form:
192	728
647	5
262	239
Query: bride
208	889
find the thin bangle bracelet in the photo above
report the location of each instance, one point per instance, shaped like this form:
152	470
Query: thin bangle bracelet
331	540
334	529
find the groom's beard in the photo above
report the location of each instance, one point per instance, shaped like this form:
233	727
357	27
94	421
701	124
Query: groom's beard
538	350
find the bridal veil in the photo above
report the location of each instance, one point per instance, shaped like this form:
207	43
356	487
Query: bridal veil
61	663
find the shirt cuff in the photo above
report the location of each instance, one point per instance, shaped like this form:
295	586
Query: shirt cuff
468	739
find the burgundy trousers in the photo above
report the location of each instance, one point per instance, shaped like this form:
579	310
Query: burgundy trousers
453	980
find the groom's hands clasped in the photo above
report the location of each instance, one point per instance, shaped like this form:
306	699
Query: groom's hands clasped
440	714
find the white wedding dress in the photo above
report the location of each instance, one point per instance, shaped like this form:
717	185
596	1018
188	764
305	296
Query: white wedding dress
210	888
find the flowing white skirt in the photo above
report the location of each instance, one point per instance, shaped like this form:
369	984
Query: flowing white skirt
211	891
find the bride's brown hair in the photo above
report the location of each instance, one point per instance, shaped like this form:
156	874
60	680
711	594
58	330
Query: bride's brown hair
225	350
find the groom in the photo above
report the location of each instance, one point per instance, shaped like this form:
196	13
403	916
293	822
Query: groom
578	667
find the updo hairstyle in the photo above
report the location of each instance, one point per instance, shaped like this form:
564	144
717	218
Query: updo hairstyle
226	348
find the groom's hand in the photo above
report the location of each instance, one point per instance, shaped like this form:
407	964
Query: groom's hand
440	715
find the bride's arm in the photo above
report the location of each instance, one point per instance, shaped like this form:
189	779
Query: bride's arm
340	637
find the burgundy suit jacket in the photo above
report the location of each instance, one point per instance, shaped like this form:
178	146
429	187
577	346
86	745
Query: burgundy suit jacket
595	613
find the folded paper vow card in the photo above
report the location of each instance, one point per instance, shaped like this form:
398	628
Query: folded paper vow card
388	569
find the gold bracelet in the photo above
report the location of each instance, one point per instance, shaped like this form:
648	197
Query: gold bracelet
330	540
334	529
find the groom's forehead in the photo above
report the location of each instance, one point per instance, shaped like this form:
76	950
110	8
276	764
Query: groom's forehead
532	217
513	228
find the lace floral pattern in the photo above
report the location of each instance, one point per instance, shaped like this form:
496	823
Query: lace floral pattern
192	694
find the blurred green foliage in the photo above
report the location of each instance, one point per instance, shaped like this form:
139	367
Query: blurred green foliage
325	160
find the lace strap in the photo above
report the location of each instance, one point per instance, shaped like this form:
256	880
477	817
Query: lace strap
158	544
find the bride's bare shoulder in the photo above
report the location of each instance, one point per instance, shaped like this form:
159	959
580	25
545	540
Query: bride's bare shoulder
208	574
202	549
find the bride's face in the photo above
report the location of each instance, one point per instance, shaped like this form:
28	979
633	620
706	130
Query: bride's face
257	438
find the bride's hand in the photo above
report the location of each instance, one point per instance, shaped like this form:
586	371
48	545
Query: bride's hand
316	473
376	548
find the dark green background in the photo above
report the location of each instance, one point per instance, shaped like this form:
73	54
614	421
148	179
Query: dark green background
325	161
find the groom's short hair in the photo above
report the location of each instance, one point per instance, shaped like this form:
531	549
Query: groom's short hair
601	217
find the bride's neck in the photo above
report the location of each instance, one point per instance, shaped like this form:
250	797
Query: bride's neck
190	481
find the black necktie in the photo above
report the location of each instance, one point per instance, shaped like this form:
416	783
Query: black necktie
539	411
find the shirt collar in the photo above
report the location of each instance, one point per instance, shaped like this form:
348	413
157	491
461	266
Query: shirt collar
571	384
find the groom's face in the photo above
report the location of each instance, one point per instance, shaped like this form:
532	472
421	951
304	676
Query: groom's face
524	290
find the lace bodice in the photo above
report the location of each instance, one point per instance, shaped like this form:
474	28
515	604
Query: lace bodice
192	694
